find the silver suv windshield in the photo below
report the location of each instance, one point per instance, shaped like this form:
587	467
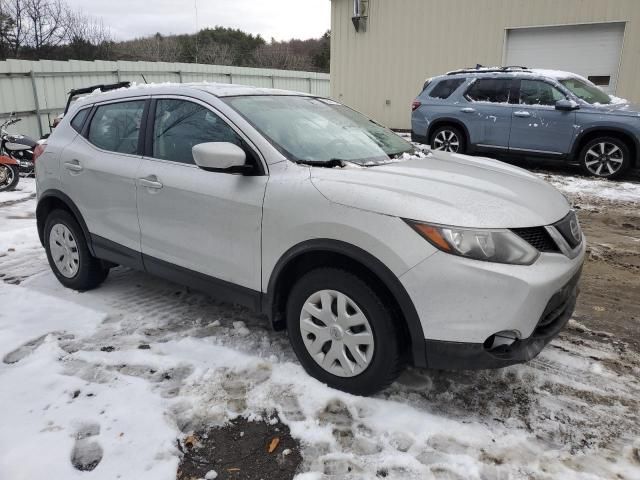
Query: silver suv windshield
586	91
317	130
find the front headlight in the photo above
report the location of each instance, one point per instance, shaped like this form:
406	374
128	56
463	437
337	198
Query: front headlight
500	246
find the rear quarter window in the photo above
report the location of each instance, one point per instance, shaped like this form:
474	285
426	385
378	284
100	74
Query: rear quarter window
444	88
78	121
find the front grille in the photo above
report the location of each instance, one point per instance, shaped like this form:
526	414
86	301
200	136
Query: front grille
569	228
538	238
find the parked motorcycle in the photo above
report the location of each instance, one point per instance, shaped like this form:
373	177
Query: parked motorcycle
18	147
9	173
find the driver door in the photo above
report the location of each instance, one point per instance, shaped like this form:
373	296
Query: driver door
205	222
537	126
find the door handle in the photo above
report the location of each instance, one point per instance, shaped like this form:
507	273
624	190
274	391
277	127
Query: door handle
522	114
468	110
74	166
151	182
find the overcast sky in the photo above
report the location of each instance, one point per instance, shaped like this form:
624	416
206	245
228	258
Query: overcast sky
281	19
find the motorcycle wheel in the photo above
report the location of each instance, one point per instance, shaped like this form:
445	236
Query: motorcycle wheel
9	177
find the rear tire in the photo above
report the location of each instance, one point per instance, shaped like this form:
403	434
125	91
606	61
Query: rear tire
9	177
359	327
605	157
448	139
68	253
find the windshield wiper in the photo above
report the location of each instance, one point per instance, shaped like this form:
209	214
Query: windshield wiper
331	163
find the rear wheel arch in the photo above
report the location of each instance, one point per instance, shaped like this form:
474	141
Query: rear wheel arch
622	135
320	253
443	122
52	200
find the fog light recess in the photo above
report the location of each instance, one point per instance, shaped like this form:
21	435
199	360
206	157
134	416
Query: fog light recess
503	339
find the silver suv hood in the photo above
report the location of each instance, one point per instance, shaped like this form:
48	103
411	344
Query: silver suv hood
447	189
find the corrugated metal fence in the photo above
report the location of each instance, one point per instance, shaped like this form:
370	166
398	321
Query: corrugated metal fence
37	90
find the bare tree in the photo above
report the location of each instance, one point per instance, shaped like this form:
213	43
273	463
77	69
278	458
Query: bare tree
80	26
214	53
153	49
48	21
15	29
282	56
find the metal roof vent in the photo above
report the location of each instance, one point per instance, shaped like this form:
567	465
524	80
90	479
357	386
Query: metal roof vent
360	15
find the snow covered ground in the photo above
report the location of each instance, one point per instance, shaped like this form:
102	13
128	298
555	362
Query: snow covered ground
116	375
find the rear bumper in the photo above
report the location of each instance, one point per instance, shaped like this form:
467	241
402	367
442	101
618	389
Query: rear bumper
445	355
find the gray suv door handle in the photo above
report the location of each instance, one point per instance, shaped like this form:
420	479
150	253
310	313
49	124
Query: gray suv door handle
468	110
74	166
522	114
151	182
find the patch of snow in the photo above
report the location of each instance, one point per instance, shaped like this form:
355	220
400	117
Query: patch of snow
26	188
585	187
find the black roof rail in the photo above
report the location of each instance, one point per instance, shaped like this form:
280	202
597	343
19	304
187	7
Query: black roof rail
481	69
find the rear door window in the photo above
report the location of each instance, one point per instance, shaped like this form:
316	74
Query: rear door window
445	88
493	90
116	126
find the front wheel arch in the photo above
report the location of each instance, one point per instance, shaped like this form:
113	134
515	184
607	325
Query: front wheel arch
588	135
334	253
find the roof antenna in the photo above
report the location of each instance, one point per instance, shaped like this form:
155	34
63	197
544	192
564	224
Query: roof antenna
145	80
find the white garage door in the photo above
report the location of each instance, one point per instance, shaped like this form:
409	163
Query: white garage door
592	51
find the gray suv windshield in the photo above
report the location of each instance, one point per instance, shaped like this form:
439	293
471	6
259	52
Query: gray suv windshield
318	130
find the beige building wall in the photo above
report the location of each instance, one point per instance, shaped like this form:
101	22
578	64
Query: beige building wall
379	72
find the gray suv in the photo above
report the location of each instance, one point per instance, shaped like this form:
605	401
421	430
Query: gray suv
537	113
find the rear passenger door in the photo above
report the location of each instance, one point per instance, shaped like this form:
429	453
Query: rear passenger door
206	222
99	171
487	112
537	126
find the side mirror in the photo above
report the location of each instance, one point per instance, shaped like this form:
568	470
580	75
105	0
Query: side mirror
221	157
567	105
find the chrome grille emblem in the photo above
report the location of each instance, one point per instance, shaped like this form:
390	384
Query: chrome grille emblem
575	229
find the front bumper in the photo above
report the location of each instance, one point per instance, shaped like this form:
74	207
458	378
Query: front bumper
463	303
444	355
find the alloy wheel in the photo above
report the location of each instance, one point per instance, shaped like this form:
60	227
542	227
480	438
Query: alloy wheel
446	141
64	250
336	333
604	159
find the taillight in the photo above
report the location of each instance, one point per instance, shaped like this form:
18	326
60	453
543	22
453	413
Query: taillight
415	105
39	150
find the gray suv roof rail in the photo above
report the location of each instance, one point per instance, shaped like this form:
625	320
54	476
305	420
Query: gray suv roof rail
481	69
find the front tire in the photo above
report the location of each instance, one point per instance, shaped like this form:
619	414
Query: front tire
448	139
342	332
68	253
605	157
9	177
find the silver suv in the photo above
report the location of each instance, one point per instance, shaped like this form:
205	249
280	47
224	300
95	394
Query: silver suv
370	254
532	113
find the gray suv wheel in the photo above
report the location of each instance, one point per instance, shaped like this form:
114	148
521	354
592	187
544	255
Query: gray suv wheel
448	139
605	157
